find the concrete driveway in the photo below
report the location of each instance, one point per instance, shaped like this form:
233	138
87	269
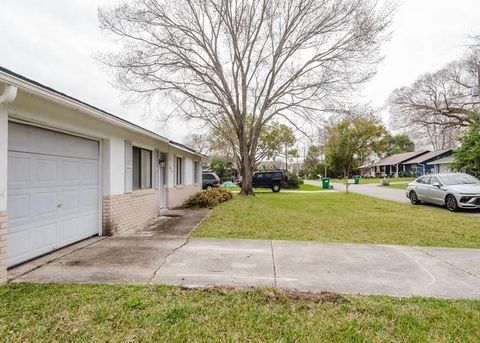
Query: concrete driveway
374	190
343	268
129	259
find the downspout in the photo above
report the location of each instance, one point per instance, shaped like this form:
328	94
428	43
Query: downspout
9	94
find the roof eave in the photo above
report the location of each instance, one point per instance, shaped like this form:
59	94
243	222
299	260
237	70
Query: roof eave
37	89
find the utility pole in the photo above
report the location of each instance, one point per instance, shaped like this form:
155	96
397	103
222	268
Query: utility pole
478	80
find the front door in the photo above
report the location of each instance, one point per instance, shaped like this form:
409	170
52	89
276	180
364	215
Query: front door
163	182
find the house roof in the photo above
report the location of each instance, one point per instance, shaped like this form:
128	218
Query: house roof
23	82
399	158
428	156
445	160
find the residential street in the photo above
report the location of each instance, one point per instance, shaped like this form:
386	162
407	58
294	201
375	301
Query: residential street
373	190
344	268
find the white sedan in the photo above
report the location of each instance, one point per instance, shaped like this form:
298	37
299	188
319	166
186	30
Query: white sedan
455	191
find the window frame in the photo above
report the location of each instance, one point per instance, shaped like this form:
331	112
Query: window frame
138	185
179	171
196	172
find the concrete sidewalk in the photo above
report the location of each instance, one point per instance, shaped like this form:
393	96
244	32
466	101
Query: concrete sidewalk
342	268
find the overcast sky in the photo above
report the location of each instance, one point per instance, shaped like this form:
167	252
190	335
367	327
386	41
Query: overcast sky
52	42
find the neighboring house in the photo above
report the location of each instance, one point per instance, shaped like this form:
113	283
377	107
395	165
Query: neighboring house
292	168
391	165
443	165
421	165
75	171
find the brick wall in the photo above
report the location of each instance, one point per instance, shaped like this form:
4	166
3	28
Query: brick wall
125	213
3	247
176	195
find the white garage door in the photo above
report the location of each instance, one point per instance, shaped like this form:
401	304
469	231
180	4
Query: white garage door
53	191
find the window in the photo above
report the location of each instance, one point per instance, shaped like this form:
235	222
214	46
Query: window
196	171
179	171
424	180
141	168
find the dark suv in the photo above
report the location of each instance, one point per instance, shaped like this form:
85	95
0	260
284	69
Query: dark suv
210	180
275	180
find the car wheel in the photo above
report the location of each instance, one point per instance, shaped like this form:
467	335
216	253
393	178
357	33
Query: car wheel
209	188
451	203
276	188
414	198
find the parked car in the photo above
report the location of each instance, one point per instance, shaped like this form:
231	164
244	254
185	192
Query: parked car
210	180
275	180
455	191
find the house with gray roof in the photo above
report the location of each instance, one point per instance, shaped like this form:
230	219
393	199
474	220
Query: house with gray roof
421	164
391	165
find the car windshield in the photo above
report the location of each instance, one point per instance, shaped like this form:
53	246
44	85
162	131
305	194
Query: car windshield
459	179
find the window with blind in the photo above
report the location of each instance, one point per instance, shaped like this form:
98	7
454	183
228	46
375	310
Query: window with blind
179	171
141	168
196	171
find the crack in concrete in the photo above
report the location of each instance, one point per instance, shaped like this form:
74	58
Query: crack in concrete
165	260
274	266
449	264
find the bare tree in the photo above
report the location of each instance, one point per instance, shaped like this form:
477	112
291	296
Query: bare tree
239	64
198	141
438	106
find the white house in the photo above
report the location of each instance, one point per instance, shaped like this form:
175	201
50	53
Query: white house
69	171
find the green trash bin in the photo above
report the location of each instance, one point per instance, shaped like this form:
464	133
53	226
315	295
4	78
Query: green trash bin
325	183
356	178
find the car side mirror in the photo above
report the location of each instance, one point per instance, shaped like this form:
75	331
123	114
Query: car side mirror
437	184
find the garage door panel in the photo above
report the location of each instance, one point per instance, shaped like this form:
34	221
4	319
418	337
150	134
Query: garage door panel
89	172
78	227
70	201
19	170
88	198
70	171
46	169
43	237
19	208
44	204
25	138
53	191
18	241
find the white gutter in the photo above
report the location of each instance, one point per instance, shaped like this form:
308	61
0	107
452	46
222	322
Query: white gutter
70	103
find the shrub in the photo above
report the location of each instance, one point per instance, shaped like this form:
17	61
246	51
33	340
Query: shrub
293	182
207	198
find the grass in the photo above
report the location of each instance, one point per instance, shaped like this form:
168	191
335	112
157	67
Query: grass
376	180
339	217
303	187
86	313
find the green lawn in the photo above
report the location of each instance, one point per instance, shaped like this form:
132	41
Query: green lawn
376	180
102	313
303	187
339	217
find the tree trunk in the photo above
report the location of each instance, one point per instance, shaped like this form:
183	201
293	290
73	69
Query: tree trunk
246	171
